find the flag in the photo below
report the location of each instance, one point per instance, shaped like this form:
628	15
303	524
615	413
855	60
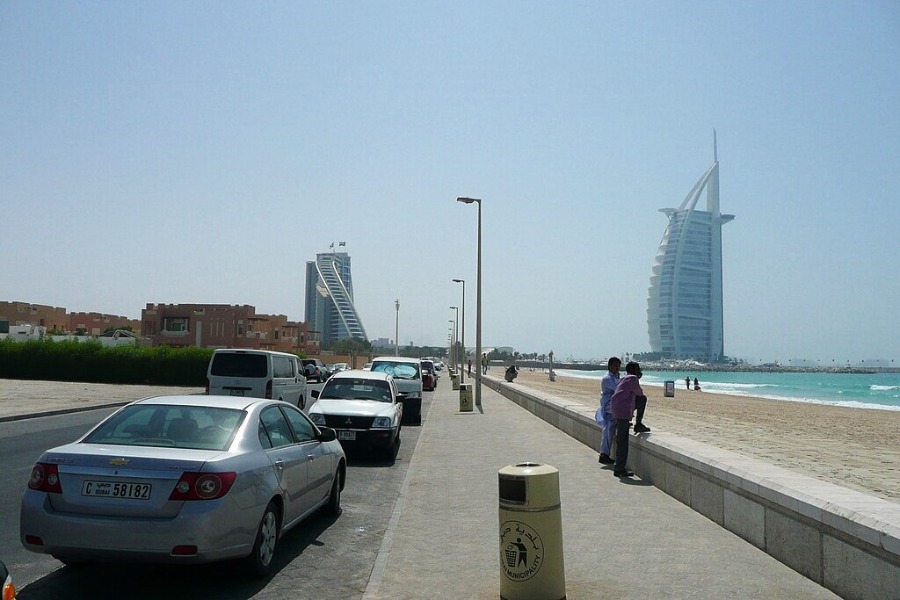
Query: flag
331	246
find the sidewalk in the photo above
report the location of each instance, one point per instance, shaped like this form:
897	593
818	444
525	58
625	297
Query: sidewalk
621	539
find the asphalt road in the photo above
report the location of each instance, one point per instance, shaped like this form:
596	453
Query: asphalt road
323	558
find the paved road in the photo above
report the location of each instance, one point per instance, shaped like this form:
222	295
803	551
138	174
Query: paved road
323	558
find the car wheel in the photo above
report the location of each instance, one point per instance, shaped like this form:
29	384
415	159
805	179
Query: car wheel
266	537
334	498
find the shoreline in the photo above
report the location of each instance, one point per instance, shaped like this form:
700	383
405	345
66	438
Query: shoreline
857	448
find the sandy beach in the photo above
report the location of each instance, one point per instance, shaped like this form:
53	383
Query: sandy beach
852	447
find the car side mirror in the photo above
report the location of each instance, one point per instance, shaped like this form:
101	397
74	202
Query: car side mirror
327	434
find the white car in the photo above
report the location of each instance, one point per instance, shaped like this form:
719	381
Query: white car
407	374
363	407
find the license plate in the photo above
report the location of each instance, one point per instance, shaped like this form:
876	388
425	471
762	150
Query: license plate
237	392
347	435
108	489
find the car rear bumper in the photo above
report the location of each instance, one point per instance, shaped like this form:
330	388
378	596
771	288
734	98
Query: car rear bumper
215	533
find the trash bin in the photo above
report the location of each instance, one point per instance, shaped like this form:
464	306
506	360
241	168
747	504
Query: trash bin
670	389
531	547
455	379
465	397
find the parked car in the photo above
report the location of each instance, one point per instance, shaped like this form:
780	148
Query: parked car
429	376
8	589
257	373
183	479
367	366
338	367
364	408
315	370
407	374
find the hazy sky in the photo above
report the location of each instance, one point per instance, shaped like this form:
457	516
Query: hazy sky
172	152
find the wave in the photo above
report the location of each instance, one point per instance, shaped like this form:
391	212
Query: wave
883	388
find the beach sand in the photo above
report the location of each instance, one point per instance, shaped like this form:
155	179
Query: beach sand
852	447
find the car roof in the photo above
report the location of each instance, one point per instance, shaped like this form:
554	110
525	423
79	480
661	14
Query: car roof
236	402
251	351
361	374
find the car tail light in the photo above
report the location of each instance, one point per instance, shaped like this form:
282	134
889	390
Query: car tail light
184	551
202	486
9	590
45	478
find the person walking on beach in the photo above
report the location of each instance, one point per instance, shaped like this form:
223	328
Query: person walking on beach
628	396
687	383
604	415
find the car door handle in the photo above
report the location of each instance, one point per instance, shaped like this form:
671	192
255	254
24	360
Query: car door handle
279	464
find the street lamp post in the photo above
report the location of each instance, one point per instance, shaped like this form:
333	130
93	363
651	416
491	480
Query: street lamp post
462	366
397	329
477	301
456	334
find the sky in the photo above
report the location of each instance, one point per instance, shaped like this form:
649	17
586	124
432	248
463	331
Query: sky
203	152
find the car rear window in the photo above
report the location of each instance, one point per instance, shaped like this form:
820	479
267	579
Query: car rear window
399	370
195	427
233	364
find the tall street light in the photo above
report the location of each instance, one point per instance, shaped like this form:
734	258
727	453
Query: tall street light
462	366
456	334
477	302
397	329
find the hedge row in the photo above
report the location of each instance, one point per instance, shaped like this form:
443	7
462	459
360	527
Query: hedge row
92	362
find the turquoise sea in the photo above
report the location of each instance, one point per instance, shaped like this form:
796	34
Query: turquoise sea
861	390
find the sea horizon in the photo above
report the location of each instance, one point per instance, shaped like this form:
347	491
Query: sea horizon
880	390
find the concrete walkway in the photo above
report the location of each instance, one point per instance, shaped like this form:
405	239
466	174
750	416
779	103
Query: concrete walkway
621	539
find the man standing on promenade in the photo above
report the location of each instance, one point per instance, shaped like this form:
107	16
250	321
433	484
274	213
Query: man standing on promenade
604	413
628	396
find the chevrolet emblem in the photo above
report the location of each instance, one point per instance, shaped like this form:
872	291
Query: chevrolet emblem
118	462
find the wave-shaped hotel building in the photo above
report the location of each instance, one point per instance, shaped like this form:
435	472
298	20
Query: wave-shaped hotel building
684	308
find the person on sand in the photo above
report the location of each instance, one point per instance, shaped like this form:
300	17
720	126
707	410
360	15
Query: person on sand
696	384
628	396
604	415
687	383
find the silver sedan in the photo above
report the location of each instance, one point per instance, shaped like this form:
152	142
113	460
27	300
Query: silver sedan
184	479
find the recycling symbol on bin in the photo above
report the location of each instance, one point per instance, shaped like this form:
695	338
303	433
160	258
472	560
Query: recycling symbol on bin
521	551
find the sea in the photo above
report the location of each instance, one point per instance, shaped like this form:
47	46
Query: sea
859	390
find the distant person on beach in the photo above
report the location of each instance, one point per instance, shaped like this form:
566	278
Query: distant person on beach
604	415
687	383
484	363
696	384
628	396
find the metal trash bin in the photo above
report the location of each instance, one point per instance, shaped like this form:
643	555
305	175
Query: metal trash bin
465	397
670	389
455	379
531	546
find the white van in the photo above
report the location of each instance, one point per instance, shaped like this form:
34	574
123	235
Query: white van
407	374
258	374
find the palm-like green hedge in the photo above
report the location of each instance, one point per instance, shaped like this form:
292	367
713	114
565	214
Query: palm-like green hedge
92	362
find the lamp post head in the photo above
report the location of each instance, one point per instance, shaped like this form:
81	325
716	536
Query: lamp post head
459	281
468	200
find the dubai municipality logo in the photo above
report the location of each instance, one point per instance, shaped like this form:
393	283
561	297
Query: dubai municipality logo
521	551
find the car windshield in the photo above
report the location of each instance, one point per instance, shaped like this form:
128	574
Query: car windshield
357	389
195	427
233	364
398	370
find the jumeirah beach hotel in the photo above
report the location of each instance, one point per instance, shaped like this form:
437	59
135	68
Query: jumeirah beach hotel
684	307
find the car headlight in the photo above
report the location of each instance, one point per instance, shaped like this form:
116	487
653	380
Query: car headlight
381	423
317	418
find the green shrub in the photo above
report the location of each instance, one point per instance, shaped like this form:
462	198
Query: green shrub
90	361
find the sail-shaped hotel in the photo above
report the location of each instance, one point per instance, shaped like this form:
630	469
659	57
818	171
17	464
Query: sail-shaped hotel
684	308
329	298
